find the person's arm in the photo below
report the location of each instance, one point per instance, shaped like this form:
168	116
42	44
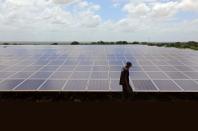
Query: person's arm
126	79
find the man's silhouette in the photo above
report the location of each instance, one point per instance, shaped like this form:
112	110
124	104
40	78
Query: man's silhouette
124	79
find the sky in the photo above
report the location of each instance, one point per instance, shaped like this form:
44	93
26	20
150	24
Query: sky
95	20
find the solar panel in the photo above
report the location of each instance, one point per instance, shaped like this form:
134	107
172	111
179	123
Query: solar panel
144	85
60	75
80	75
41	75
53	85
2	67
157	75
176	75
6	74
166	85
115	75
136	68
192	75
49	68
183	68
76	85
32	68
114	85
15	68
100	68
101	62
66	68
115	68
167	68
21	75
187	85
9	84
139	76
83	68
150	68
30	85
97	68
99	75
45	62
97	85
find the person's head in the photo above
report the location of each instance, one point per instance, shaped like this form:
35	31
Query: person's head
128	65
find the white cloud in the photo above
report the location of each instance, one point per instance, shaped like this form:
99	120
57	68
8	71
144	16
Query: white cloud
158	9
44	13
79	20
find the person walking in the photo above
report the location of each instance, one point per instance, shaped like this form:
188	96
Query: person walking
124	79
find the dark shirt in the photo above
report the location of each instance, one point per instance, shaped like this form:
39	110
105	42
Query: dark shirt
124	77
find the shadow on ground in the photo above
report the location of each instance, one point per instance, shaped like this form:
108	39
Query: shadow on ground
93	97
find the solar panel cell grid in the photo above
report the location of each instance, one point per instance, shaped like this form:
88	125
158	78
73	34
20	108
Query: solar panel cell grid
114	85
6	74
167	68
60	75
144	85
139	76
31	85
115	75
99	75
157	75
80	75
150	68
9	84
167	85
76	85
49	68
95	85
41	75
53	85
66	68
83	68
187	85
97	68
176	75
21	75
192	75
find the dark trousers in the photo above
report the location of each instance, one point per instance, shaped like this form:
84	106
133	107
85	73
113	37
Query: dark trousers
127	91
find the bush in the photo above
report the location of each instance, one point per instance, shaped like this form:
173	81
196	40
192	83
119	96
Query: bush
54	44
75	43
5	43
135	43
121	42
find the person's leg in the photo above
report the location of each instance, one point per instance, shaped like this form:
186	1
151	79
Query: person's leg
126	92
130	90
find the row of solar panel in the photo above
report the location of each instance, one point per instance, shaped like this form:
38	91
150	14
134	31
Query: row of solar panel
99	53
99	56
101	62
97	85
98	68
99	75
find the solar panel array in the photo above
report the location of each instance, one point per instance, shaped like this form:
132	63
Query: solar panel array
97	68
